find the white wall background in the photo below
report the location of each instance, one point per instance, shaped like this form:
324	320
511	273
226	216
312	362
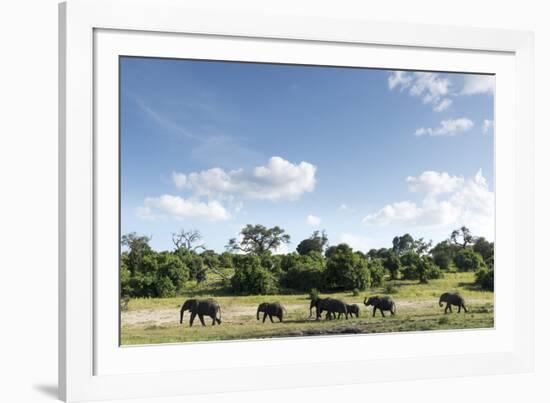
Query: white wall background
28	199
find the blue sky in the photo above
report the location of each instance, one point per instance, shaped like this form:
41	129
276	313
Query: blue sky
364	154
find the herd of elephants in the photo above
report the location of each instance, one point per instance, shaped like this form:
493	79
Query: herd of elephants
334	308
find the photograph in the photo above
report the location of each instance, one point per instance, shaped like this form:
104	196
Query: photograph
265	200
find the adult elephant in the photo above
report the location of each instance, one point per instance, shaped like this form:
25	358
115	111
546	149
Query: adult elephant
380	303
452	299
271	310
331	305
202	307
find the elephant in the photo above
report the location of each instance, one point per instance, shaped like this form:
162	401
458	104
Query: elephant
270	309
331	305
380	303
202	307
353	309
452	299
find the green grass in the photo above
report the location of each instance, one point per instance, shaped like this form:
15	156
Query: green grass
151	321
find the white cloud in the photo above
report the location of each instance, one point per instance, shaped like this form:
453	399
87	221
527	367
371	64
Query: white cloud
448	201
343	207
434	183
313	220
430	87
278	180
478	84
357	242
448	127
400	79
487	126
169	206
443	105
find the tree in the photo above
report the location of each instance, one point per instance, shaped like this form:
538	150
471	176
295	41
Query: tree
485	278
462	237
403	244
468	260
421	247
257	239
443	254
171	274
138	246
377	272
315	243
197	270
250	277
305	272
418	267
346	270
485	248
188	240
391	263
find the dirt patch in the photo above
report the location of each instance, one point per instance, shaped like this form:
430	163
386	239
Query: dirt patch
235	314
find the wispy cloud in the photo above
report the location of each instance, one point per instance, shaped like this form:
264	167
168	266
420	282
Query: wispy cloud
449	127
168	123
431	88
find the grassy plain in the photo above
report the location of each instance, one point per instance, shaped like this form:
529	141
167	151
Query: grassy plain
156	320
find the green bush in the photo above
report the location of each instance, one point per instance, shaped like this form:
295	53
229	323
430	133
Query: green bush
390	289
197	269
377	272
250	277
468	260
164	288
346	270
418	267
305	272
485	278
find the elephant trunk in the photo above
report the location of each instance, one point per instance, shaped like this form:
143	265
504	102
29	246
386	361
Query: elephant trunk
440	302
365	301
258	314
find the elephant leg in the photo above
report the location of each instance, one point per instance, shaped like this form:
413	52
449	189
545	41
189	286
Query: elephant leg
192	318
271	318
464	307
382	312
214	320
373	312
265	316
459	308
201	318
346	315
280	317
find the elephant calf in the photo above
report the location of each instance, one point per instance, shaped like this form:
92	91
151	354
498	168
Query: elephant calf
271	310
452	299
380	303
353	309
202	307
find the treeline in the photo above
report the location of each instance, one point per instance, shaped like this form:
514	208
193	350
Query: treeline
249	266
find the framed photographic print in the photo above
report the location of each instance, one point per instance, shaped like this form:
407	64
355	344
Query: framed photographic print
336	202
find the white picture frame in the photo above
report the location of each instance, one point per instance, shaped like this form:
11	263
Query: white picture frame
92	365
